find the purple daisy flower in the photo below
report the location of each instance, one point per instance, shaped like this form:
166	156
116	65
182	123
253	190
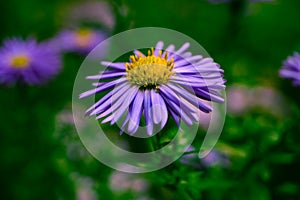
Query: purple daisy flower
291	69
215	158
27	61
156	84
82	40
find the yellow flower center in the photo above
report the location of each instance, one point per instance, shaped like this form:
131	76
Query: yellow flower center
20	61
149	71
84	37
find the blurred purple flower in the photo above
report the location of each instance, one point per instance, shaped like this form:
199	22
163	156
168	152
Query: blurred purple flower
214	158
291	68
28	62
120	182
156	84
82	40
239	99
191	158
242	98
84	187
98	12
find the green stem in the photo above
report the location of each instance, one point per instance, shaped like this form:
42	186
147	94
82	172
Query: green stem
122	22
152	144
238	11
191	152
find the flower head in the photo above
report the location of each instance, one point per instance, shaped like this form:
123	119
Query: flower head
82	40
156	84
27	61
291	68
149	71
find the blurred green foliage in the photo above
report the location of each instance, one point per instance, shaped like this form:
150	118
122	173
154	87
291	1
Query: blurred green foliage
249	41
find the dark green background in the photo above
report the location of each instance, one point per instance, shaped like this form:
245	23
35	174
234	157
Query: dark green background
250	41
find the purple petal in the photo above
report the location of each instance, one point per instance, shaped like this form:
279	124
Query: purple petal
184	47
170	50
109	118
187	54
186	70
116	97
127	101
120	65
179	112
164	112
155	107
169	94
177	99
191	110
103	87
105	113
197	83
191	98
189	80
147	112
207	95
175	106
175	102
158	47
205	60
187	61
107	96
138	53
136	112
289	74
174	116
106	76
124	123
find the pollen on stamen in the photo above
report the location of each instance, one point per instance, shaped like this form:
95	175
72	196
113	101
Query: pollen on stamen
150	71
20	61
84	37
